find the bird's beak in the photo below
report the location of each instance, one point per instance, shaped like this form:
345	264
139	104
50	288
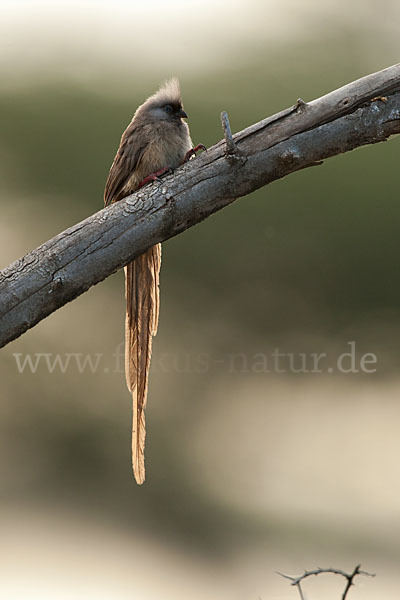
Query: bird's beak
181	114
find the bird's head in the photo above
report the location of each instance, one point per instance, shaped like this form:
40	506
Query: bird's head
165	104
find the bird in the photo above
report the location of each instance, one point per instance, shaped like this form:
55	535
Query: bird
156	142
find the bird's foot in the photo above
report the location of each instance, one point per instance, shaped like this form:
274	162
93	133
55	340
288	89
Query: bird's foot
154	176
192	152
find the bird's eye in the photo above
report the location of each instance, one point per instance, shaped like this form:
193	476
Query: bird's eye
168	109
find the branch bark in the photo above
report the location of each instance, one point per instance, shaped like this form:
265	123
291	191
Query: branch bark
365	111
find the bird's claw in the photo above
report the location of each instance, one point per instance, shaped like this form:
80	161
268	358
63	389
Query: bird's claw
155	176
192	152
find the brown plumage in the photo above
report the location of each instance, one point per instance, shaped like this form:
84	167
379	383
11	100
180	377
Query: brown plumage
156	138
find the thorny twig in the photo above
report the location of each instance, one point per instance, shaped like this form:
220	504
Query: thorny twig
296	581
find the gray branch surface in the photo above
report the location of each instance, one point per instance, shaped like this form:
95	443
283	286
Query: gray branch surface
365	111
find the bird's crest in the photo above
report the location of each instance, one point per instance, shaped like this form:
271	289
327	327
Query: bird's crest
169	93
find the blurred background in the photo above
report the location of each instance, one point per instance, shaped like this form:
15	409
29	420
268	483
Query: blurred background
253	466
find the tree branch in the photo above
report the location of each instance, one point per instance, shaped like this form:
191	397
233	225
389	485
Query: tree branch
363	112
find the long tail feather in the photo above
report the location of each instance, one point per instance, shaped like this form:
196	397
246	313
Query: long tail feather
142	308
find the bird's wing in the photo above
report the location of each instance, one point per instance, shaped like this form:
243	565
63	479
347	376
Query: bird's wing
131	149
142	306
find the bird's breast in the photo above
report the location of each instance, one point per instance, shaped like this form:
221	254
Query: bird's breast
167	149
173	142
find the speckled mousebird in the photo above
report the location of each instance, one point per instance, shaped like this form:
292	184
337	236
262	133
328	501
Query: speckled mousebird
156	141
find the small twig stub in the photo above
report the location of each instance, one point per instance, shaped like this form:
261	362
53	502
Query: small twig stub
300	104
232	151
226	126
